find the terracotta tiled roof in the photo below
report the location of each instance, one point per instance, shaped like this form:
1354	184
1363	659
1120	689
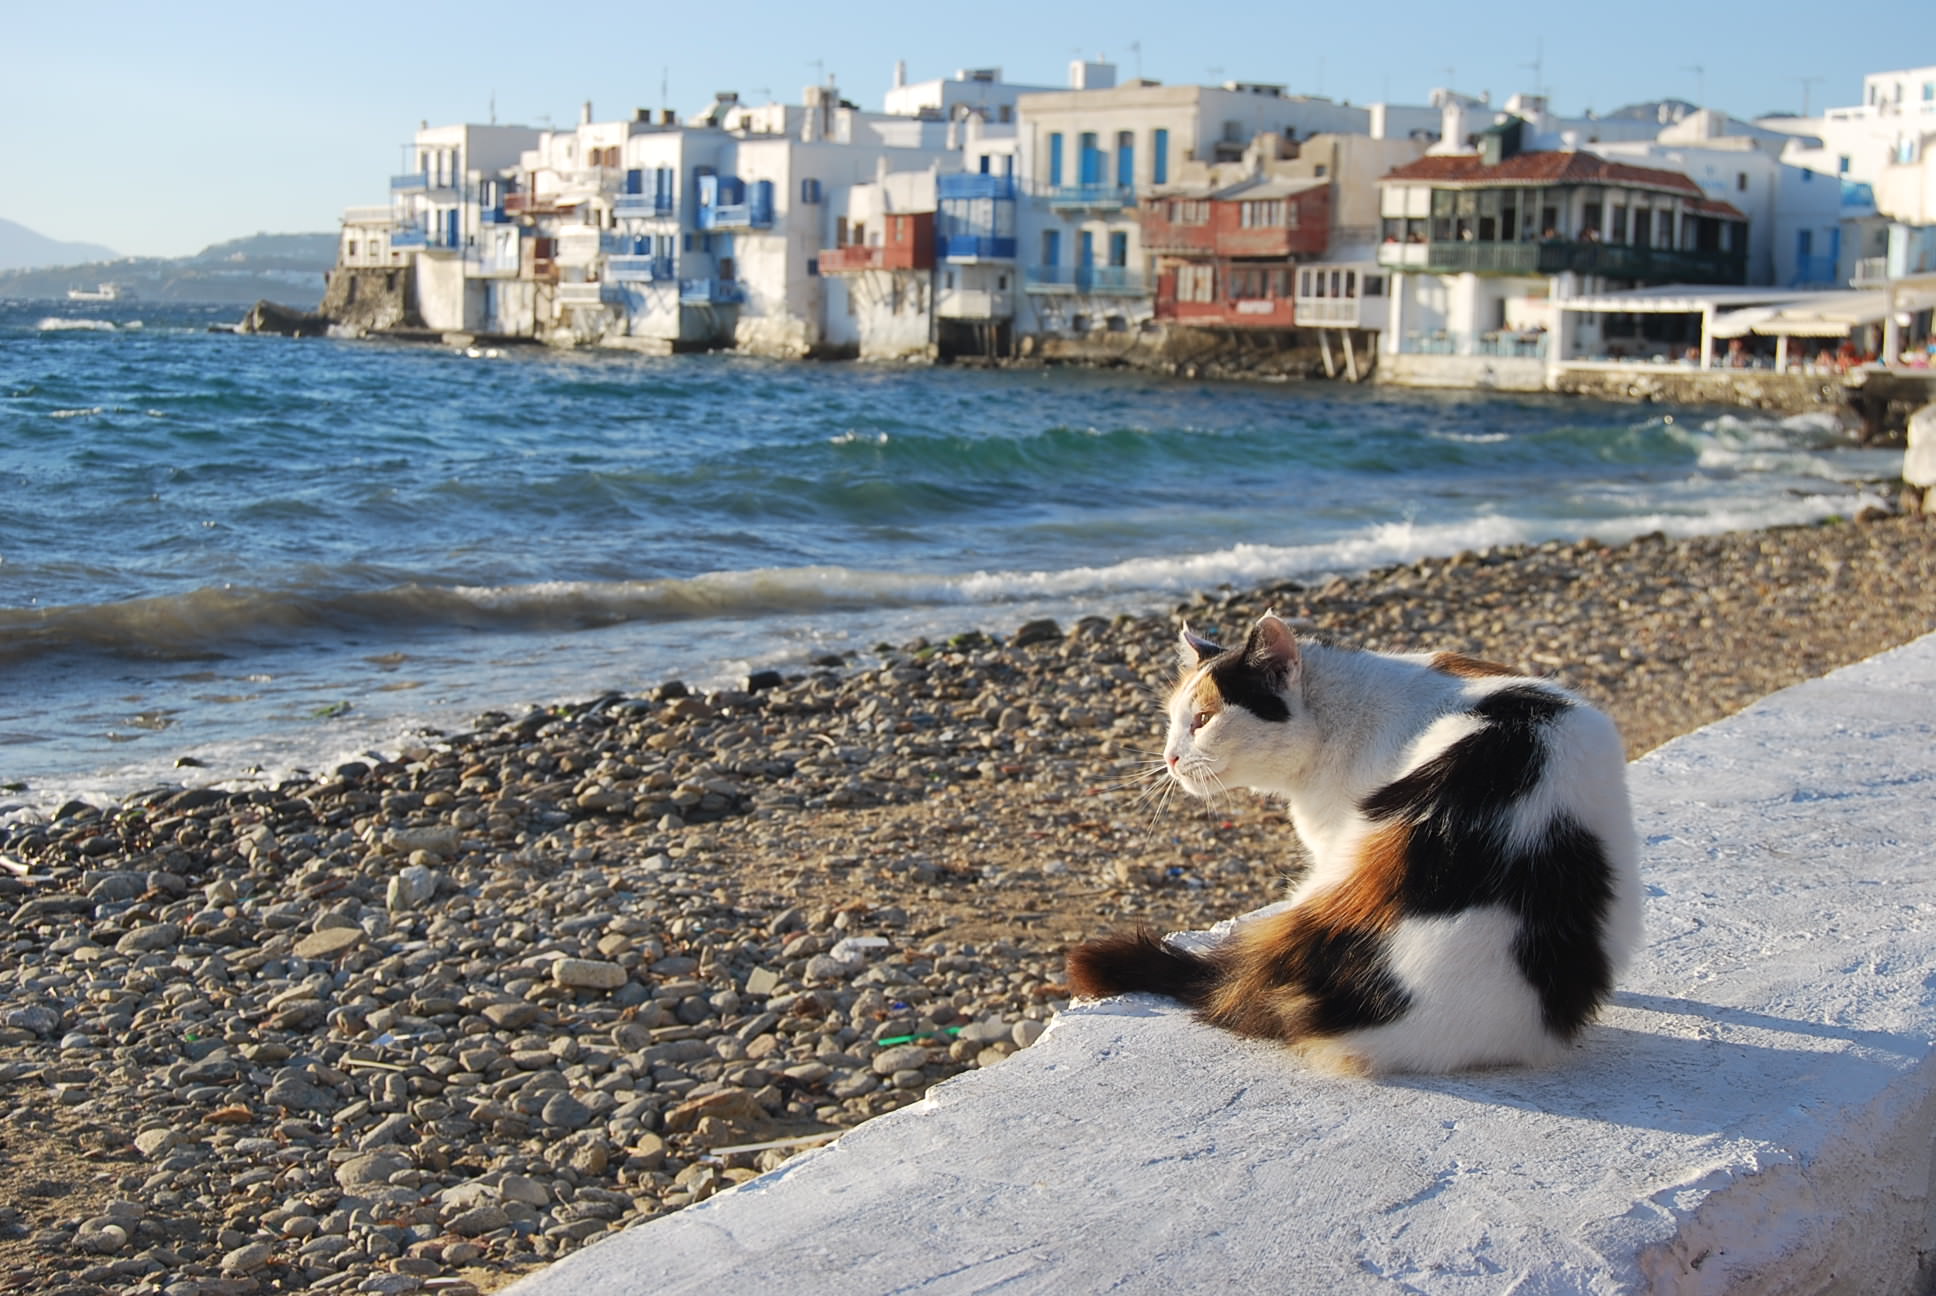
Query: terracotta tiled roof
1715	207
1549	167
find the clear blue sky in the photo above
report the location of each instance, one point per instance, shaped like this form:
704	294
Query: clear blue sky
157	129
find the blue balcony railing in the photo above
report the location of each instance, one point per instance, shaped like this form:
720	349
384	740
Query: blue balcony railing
1812	271
409	238
1857	195
729	216
492	216
1111	281
413	180
707	292
642	204
971	185
1107	281
1093	197
638	269
974	247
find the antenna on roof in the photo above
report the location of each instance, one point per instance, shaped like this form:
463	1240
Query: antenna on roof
1700	83
1136	48
1806	81
1538	66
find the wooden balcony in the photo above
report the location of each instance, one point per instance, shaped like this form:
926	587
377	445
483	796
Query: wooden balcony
1559	256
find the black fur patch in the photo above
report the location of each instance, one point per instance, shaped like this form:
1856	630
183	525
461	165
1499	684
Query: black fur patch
1458	858
1349	979
1243	683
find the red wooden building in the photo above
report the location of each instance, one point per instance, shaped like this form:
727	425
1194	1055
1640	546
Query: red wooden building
1227	256
906	243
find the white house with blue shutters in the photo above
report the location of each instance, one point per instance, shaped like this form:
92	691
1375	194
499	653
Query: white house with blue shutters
1086	156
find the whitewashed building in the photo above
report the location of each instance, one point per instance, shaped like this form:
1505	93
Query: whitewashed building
1879	152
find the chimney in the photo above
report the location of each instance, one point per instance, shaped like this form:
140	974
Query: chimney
585	114
900	73
667	117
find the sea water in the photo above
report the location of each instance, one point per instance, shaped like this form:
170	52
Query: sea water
266	554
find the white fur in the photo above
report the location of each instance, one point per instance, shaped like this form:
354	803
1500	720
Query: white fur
1470	1005
1358	721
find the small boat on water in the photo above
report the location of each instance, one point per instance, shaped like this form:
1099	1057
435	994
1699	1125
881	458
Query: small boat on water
99	293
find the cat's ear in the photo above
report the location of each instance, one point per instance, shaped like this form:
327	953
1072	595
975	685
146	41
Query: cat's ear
1272	648
1192	650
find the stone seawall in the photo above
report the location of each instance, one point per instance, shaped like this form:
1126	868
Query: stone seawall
1749	388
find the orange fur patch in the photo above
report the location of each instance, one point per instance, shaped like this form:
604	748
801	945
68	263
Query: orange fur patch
1265	963
1465	667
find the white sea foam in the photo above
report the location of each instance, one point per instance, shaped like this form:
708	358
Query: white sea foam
55	324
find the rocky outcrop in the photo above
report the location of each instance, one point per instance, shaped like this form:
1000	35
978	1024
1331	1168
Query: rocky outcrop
372	299
270	317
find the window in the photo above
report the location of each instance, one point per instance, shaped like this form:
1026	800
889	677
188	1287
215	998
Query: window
1196	283
1160	157
1089	160
1842	165
1119	249
1126	159
809	191
1051	247
813	267
1055	157
1264	214
1374	285
1741	182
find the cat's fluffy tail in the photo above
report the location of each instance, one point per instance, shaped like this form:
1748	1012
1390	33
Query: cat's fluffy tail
1144	961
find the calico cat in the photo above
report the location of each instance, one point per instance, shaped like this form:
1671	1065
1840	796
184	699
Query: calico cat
1473	888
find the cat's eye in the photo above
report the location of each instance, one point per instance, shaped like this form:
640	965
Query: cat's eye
1199	720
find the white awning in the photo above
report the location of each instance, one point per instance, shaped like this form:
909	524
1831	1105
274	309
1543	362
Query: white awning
1822	315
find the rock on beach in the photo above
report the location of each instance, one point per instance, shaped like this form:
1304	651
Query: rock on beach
450	1014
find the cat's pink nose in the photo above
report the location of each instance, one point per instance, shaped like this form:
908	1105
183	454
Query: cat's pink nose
1173	760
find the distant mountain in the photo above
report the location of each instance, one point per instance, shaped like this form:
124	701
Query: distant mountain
287	268
23	249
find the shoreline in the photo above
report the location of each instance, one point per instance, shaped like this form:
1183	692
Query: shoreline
453	1014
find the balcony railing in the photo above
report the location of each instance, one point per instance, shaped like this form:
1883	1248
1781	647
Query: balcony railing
409	238
1870	272
729	216
974	247
1813	271
639	269
492	216
850	260
1503	343
1613	260
410	180
1102	281
971	185
1334	311
642	204
708	292
1091	197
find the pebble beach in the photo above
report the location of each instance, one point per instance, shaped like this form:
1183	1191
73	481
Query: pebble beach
428	1022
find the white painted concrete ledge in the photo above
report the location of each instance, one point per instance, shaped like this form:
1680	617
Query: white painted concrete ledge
1754	1113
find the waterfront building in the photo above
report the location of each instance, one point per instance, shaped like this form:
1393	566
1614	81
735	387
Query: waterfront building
1087	153
879	271
1479	245
1879	151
